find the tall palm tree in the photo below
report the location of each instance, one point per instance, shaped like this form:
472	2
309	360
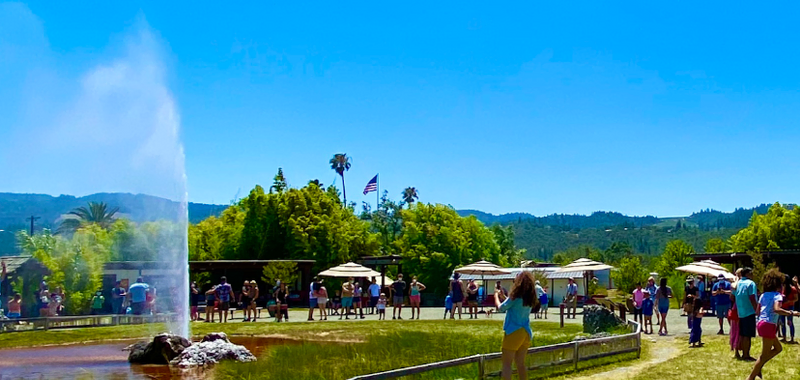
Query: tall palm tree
341	163
97	213
410	195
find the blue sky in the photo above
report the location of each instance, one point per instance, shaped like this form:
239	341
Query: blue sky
659	109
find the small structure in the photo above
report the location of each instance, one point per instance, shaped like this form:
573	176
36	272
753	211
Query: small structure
381	262
31	271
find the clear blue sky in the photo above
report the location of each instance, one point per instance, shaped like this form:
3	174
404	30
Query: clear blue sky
641	108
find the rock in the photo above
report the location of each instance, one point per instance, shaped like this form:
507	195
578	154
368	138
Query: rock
161	350
597	319
214	348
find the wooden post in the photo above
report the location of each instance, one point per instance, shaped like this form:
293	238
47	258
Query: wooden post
561	312
481	368
575	356
46	323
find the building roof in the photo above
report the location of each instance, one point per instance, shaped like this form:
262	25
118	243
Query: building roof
564	275
510	276
15	262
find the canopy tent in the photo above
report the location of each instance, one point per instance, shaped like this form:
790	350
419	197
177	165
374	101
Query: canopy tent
581	265
483	268
350	269
707	268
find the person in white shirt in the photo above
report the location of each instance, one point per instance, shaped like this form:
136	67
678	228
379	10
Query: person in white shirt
374	294
572	297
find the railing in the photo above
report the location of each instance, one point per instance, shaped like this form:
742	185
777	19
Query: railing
570	353
48	323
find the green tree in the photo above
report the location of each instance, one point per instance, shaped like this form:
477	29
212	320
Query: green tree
96	213
286	271
616	252
677	253
388	223
279	182
778	229
340	163
410	195
629	273
716	245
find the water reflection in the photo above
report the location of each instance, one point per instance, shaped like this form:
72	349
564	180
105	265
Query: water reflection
102	361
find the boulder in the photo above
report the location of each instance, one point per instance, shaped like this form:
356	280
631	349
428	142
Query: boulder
214	348
161	350
597	319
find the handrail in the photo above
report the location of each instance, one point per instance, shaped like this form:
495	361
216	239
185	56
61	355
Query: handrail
482	358
72	321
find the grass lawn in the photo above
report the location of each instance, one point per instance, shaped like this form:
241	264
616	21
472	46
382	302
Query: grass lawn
715	361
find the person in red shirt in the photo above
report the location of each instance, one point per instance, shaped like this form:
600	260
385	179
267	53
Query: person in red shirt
790	296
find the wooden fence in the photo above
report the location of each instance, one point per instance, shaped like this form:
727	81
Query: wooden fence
48	323
570	353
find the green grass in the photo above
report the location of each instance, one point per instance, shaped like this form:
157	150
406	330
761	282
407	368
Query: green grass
715	361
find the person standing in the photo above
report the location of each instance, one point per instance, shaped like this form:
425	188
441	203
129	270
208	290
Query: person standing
15	307
790	297
544	301
517	325
398	290
571	299
374	294
733	318
663	295
322	303
194	300
457	295
722	300
695	336
97	303
746	306
357	309
211	304
118	295
769	309
223	295
472	299
244	301
651	287
138	292
691	293
539	294
282	302
638	303
414	296
3	282
312	298
254	294
347	298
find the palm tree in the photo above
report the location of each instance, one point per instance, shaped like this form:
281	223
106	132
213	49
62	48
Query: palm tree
341	163
97	213
410	195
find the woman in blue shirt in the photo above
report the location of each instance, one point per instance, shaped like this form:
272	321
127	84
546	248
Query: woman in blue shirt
517	326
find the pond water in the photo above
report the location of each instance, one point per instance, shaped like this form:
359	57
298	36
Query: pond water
102	361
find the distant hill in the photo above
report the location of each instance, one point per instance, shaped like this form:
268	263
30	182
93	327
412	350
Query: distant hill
16	208
543	236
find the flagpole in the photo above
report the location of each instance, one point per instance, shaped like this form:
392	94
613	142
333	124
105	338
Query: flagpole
377	193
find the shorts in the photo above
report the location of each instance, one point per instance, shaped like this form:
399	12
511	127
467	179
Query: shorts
137	308
516	340
312	303
647	311
414	299
663	307
747	326
767	330
347	301
14	315
398	300
246	301
373	301
722	311
322	301
223	305
637	311
356	300
572	303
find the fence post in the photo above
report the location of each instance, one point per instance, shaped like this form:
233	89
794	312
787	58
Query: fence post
46	323
561	312
481	368
575	356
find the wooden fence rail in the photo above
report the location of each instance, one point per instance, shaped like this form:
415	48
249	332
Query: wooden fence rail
580	350
48	323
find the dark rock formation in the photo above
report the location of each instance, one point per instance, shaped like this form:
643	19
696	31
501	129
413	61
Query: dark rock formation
597	319
161	350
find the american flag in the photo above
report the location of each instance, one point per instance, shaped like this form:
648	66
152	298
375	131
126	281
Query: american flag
372	185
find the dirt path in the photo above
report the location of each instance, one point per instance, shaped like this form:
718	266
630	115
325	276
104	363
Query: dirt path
661	350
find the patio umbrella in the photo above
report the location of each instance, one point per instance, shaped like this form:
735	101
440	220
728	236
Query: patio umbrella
706	269
350	269
482	268
582	265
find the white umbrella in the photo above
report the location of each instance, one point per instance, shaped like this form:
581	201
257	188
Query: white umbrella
581	265
699	268
350	270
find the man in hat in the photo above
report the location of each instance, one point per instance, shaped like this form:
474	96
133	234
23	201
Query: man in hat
691	293
722	300
572	297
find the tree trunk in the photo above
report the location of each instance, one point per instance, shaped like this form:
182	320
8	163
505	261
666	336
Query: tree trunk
344	190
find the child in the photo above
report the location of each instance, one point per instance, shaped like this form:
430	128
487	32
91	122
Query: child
697	323
336	302
97	303
15	307
448	304
647	310
381	305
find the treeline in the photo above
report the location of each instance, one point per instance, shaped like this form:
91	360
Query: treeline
313	223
